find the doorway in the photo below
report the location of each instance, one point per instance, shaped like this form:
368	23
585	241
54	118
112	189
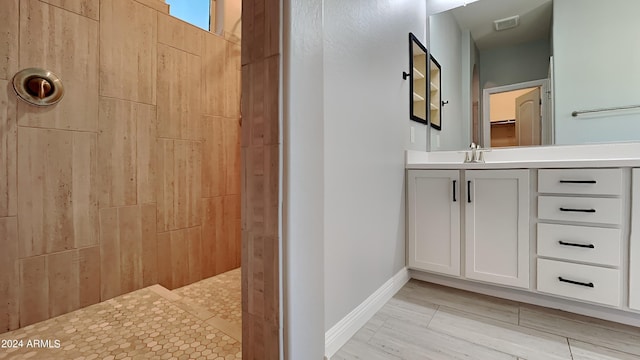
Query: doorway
515	115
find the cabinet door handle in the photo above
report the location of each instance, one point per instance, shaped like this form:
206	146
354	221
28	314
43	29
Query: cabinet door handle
575	282
578	182
579	210
454	191
590	246
468	191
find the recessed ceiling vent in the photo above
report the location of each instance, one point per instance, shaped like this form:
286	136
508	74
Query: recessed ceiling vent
507	23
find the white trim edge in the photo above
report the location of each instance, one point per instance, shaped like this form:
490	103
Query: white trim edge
341	332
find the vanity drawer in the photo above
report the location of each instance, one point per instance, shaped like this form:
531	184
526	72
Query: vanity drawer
580	243
589	283
580	181
582	209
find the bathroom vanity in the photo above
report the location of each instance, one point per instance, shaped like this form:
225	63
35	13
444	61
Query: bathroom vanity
554	226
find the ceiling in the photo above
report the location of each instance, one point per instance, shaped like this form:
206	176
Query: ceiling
478	17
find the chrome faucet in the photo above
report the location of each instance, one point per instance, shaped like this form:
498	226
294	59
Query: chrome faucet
475	155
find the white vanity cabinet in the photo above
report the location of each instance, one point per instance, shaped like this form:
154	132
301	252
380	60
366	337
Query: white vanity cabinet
634	244
551	226
496	209
434	220
580	217
497	226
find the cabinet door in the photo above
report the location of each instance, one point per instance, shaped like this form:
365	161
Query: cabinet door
634	250
434	220
497	226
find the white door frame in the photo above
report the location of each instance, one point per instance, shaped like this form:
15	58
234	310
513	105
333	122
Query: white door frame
486	117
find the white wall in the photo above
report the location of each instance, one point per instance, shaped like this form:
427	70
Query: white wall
514	64
596	57
366	122
446	47
303	180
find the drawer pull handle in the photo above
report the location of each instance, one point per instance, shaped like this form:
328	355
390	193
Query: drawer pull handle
579	210
578	181
454	191
590	246
468	191
576	282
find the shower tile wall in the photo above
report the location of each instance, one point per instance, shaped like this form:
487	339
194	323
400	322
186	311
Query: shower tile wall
261	62
133	178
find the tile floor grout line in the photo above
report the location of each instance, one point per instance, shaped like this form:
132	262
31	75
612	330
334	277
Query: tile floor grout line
570	350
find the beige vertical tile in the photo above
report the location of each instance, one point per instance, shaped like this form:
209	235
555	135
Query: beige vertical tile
109	254
126	150
256	289
256	190
58	207
246	105
272	186
164	186
260	29
34	290
128	44
130	226
179	34
149	245
212	230
220	156
270	269
179	94
45	175
9	274
232	156
146	153
220	88
159	5
233	205
227	243
8	140
223	252
179	258
194	244
165	274
260	108
213	157
232	79
179	184
243	188
84	188
67	44
89	275
117	139
64	290
260	111
88	8
9	25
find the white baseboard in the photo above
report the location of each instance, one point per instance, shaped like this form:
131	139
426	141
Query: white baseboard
341	332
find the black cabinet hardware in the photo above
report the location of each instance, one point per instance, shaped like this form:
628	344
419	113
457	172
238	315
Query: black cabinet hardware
590	246
468	191
454	191
578	182
575	282
579	210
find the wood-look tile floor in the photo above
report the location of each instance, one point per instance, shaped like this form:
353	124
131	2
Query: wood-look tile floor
151	323
427	321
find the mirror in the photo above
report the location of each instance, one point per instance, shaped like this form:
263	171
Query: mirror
435	94
580	56
418	79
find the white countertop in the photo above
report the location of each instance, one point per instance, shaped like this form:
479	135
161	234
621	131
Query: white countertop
572	156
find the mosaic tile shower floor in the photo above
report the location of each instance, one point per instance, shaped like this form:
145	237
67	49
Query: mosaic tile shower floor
151	323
